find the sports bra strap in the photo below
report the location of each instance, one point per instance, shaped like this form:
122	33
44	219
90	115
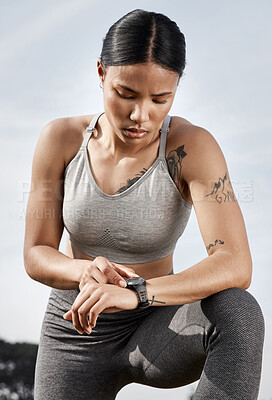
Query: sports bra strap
164	130
90	129
93	122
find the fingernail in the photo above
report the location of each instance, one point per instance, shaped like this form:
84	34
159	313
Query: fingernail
123	283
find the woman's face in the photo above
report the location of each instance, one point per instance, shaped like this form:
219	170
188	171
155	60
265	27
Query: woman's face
137	98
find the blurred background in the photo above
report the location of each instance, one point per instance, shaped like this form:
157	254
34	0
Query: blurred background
48	54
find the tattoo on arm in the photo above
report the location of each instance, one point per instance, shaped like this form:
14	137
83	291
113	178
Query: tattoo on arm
130	182
174	160
218	241
220	193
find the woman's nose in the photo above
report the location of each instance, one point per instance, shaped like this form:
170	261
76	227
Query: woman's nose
139	114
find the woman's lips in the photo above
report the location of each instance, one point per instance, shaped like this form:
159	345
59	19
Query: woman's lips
135	133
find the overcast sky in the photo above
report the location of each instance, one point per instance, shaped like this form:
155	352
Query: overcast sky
48	54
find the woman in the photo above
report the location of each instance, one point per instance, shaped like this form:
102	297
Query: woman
123	183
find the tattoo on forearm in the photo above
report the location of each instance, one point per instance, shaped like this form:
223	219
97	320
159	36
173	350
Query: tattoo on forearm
130	182
220	193
218	241
174	160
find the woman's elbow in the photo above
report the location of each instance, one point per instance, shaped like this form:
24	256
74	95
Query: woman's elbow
28	269
28	265
245	273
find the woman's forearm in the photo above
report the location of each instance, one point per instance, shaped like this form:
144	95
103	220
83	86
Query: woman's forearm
53	268
213	274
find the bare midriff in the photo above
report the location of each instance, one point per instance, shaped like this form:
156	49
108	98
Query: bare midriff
148	270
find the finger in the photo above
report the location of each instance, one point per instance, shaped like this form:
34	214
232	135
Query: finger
81	298
99	276
76	322
124	271
96	309
68	315
83	312
113	276
83	282
89	308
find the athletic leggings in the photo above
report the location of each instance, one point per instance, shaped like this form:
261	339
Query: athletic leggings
218	340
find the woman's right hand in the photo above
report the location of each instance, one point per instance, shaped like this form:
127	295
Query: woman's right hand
101	270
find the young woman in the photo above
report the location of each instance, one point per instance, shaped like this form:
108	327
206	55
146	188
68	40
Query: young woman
123	183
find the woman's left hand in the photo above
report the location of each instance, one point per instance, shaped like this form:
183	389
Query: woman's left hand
95	298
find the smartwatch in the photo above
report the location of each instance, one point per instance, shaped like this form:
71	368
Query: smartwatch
138	284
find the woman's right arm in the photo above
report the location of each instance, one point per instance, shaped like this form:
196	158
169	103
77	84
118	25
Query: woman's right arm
44	224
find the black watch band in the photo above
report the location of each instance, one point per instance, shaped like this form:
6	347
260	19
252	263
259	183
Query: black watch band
139	285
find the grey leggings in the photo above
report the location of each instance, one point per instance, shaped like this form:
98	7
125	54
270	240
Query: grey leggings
218	340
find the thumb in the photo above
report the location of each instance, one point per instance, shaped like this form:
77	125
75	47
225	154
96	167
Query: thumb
68	315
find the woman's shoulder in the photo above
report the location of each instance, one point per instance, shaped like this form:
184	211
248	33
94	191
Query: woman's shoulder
66	134
68	128
194	145
184	130
194	138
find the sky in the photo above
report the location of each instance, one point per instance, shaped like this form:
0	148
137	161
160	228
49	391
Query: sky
48	54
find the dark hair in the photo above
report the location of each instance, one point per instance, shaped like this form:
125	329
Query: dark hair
142	36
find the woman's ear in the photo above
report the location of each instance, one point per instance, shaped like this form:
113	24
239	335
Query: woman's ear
100	70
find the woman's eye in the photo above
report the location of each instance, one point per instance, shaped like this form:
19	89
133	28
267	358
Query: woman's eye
124	97
160	102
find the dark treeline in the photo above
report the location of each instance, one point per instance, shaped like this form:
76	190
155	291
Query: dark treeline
17	365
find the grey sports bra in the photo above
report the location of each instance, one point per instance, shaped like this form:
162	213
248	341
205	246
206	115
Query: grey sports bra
141	224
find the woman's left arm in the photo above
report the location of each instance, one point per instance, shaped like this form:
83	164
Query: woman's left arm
221	224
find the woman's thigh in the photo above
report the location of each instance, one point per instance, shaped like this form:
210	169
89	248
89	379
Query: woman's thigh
72	366
67	375
168	348
218	339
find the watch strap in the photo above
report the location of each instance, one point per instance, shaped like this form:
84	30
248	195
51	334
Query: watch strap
142	294
139	286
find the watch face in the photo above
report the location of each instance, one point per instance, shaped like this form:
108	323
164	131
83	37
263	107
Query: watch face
135	281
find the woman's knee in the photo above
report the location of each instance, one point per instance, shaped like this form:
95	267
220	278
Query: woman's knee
235	309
